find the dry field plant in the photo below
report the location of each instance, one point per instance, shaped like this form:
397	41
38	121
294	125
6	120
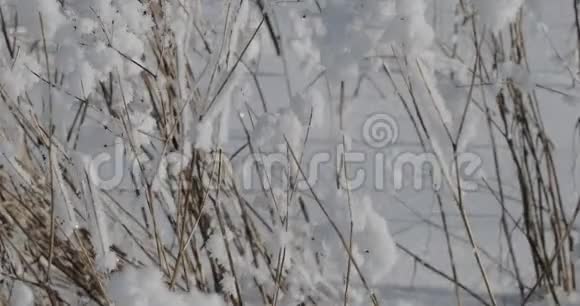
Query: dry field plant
64	238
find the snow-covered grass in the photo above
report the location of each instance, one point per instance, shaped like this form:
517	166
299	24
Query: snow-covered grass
206	152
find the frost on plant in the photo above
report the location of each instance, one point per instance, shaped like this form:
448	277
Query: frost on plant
161	152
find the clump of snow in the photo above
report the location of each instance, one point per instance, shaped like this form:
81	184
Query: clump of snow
29	12
132	12
309	108
418	34
17	78
341	34
497	14
372	236
21	295
264	129
517	74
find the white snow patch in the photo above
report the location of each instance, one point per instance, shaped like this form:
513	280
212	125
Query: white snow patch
21	295
146	287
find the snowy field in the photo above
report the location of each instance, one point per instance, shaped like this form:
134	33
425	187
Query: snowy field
317	152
